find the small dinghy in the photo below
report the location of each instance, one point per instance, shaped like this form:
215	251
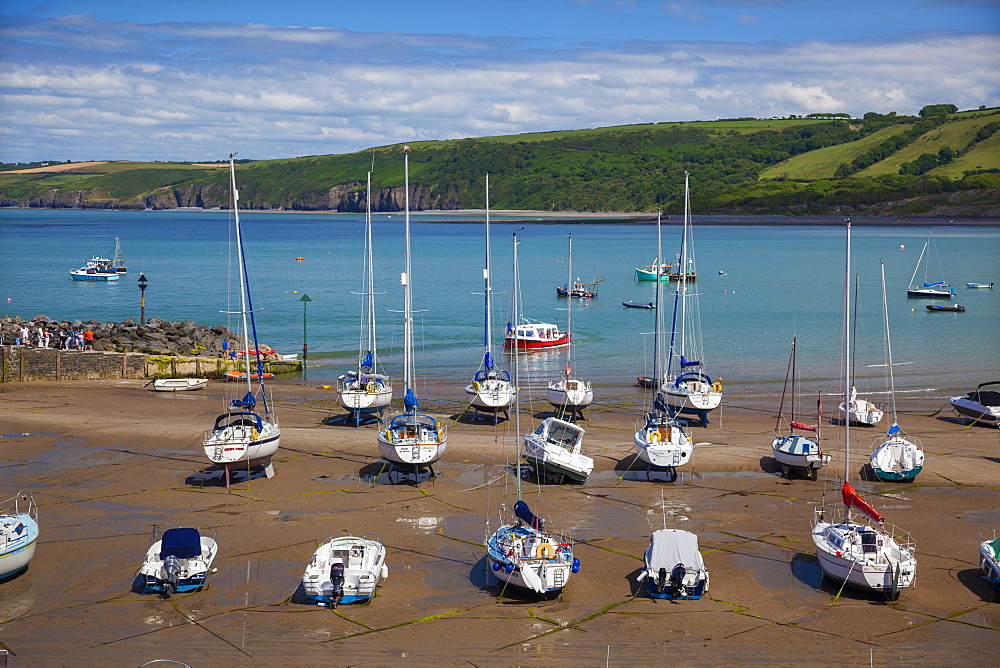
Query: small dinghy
988	286
649	305
179	384
950	308
989	560
674	567
178	562
18	533
345	569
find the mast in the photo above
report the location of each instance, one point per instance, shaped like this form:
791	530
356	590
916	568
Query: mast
656	316
407	295
369	278
683	265
517	379
888	346
847	354
569	309
487	357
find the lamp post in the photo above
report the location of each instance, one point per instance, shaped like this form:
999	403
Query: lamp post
142	290
305	346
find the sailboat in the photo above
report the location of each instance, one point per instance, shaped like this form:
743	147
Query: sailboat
895	457
569	395
410	438
18	533
854	408
661	441
796	451
364	391
245	436
521	552
688	389
490	389
860	549
936	290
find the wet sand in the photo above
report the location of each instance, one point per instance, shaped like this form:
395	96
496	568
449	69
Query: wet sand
108	461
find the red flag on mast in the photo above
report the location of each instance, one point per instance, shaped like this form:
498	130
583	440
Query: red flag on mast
851	498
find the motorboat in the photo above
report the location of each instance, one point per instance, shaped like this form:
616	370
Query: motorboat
18	533
345	569
244	435
96	269
555	449
950	308
179	384
490	390
791	450
988	286
647	305
989	560
578	289
896	457
674	568
980	405
859	548
410	438
859	410
364	391
532	335
179	561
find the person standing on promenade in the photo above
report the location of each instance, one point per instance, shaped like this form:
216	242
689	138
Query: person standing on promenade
89	338
46	338
62	339
78	335
39	335
25	336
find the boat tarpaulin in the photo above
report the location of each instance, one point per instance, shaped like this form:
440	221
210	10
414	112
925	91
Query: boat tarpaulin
669	547
851	498
488	362
181	543
523	512
659	404
248	401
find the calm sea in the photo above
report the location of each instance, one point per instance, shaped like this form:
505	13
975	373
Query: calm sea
778	281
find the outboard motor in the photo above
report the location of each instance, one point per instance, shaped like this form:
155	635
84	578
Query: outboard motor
337	580
677	580
172	571
661	580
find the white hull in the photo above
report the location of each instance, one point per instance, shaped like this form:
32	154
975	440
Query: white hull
345	569
570	393
798	451
179	384
412	440
18	534
191	568
696	395
365	401
536	560
973	409
242	443
883	565
861	411
897	456
660	443
491	395
555	447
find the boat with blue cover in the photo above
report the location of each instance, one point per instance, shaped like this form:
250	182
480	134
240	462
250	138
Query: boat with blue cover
179	561
18	533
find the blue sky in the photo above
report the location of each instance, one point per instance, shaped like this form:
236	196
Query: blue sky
198	79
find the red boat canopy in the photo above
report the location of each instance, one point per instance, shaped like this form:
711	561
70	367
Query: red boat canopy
851	498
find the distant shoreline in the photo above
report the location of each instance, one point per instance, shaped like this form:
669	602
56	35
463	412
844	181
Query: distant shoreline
515	217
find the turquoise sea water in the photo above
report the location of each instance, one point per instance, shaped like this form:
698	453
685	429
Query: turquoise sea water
779	281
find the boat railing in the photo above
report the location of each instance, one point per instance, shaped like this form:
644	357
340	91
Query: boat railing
22	503
835	514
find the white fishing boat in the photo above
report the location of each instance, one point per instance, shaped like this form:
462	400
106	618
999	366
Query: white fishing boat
989	560
686	387
860	549
896	457
796	451
179	561
980	405
936	290
364	391
244	436
345	569
410	438
569	395
490	390
521	551
674	568
96	269
178	384
660	441
18	533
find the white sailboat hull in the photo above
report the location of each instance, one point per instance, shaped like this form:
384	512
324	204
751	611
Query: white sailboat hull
570	393
413	440
18	533
491	395
530	559
364	400
883	565
861	411
242	443
798	451
663	444
696	396
897	459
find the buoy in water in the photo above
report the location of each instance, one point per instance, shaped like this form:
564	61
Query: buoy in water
300	258
901	246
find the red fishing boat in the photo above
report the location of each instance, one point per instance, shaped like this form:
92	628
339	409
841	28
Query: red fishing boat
534	336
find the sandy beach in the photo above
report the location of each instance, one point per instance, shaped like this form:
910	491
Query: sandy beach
108	461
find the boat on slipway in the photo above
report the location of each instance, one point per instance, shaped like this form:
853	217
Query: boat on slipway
859	549
345	569
490	389
896	457
365	392
796	451
179	561
244	435
18	533
410	438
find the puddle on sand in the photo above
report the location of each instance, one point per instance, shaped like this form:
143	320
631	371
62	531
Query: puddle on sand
422	525
781	570
36	433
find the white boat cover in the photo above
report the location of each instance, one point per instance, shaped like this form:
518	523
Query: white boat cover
669	547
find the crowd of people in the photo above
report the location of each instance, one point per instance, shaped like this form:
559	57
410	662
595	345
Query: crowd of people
66	339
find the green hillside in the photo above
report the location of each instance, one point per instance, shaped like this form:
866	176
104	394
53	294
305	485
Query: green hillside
935	164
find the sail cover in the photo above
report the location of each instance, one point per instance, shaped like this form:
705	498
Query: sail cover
488	363
686	363
410	401
851	498
523	512
803	427
368	361
669	547
659	404
248	401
